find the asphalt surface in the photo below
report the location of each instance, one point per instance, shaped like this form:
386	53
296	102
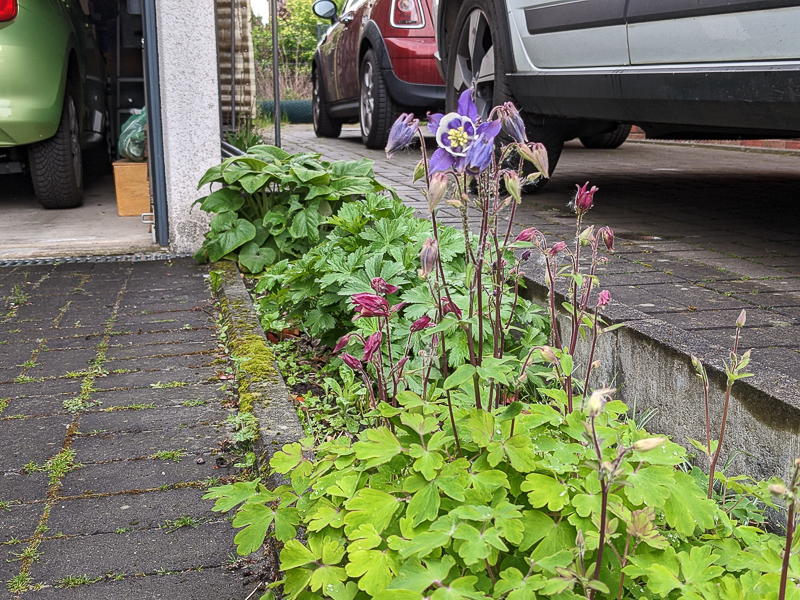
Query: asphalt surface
701	232
133	351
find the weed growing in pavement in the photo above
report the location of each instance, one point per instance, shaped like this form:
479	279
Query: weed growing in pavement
4	404
123	530
30	553
182	521
26	379
196	402
169	384
72	581
61	464
7	504
172	455
244	427
138	406
19	583
17	297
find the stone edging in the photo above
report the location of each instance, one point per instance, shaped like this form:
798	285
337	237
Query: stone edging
262	390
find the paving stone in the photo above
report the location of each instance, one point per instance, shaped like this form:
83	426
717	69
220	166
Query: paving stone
60	362
37	405
161	377
23	488
49	387
755	337
202	335
7	569
723	319
32	439
108	514
214	583
61	341
122	352
203	358
194	439
141	474
687	295
206	546
19	521
159	397
156	418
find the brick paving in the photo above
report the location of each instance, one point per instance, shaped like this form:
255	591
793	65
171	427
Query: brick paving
701	232
132	349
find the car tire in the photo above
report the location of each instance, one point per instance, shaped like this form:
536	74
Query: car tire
609	140
56	164
324	125
474	59
376	109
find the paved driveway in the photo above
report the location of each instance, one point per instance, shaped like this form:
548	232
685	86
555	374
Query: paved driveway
701	232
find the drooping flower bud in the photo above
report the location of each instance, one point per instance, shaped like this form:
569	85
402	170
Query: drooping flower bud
342	343
526	235
608	238
513	186
370	305
380	286
398	307
526	255
428	257
536	154
351	361
742	319
372	344
419	171
437	189
548	354
448	306
402	133
420	324
604	298
512	122
594	406
587	236
557	248
584	199
648	444
778	489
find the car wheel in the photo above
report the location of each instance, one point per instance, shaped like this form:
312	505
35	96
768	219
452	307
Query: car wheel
609	140
324	125
476	59
376	109
56	164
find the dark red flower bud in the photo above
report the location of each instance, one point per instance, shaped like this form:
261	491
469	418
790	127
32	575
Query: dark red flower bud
421	323
557	247
584	199
351	361
342	343
372	344
370	305
381	287
448	306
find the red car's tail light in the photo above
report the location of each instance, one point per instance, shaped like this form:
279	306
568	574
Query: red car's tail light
406	14
8	10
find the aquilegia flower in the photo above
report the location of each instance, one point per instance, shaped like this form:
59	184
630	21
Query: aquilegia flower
342	343
454	133
372	344
380	286
584	198
403	131
428	257
604	298
421	323
512	122
370	305
351	361
480	152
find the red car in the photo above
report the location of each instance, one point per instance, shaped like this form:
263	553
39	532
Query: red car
374	63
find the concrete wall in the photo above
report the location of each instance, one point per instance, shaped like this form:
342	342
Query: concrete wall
187	59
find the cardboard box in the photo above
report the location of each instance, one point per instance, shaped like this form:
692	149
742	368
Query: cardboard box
133	188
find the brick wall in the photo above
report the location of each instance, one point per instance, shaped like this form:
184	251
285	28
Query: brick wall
638	134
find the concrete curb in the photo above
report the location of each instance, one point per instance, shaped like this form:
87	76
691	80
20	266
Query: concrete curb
277	419
649	362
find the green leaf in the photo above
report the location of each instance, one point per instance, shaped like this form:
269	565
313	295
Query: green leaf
517	586
463	374
238	233
229	496
418	577
687	507
424	505
289	458
370	506
374	568
481	425
294	554
226	199
650	485
380	446
305	224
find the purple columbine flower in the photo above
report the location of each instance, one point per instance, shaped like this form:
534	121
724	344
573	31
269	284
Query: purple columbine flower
604	298
526	255
526	235
454	133
342	343
372	344
420	324
351	361
380	286
557	248
398	307
584	198
370	305
428	257
403	131
608	238
448	306
481	151
512	122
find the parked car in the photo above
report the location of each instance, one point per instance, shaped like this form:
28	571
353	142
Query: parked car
52	95
374	62
684	69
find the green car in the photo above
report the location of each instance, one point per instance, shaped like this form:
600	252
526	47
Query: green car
52	95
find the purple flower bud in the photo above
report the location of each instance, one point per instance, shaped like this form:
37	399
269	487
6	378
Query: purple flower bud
397	307
608	238
370	305
526	255
512	122
536	154
342	343
351	361
584	199
428	257
381	287
526	235
742	319
436	189
402	133
448	306
604	298
420	324
557	247
372	344
481	152
400	364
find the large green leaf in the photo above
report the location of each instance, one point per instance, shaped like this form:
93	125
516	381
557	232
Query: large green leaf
229	239
305	224
687	507
370	507
226	199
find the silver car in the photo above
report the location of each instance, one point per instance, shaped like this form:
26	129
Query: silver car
679	69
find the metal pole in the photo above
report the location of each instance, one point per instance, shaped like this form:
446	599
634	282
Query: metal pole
233	65
273	14
155	141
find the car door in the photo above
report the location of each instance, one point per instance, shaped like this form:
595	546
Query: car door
709	31
346	53
569	33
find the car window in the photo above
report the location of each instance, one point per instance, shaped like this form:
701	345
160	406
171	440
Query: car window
352	5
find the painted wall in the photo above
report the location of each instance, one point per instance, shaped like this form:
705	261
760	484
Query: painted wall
187	58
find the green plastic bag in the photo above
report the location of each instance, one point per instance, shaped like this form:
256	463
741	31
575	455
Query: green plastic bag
132	138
